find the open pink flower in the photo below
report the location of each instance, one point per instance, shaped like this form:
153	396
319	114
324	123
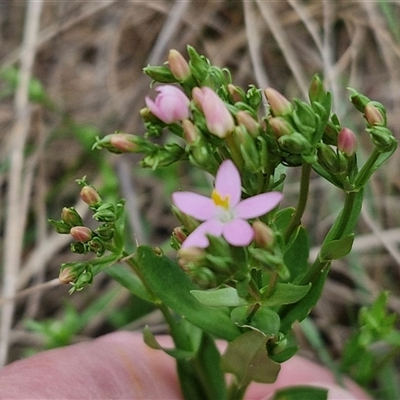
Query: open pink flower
224	214
170	105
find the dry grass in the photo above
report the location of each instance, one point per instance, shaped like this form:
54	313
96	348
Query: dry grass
89	56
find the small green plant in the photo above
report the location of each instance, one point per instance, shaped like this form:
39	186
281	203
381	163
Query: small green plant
242	270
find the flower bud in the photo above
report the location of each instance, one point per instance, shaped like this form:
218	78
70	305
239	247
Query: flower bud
165	155
251	125
81	233
295	143
159	74
171	104
279	126
179	235
316	91
191	254
178	65
90	195
263	235
60	226
218	118
347	142
248	149
237	93
190	132
71	217
279	104
382	138
67	275
374	115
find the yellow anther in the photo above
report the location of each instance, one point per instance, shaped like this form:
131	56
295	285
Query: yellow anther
219	200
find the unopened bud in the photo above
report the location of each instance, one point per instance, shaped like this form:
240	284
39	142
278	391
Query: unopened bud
347	142
90	195
123	142
374	115
81	233
295	143
316	91
279	126
191	254
263	235
382	138
189	131
179	235
278	103
159	74
251	125
178	65
67	275
236	93
71	217
218	118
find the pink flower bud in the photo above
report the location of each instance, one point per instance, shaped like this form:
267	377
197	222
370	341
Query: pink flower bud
179	234
123	142
218	118
279	104
67	275
347	142
263	235
81	233
279	126
189	131
90	195
245	119
171	104
178	65
374	115
70	216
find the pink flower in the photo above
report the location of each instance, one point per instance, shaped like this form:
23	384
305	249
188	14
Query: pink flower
218	118
224	214
170	105
347	142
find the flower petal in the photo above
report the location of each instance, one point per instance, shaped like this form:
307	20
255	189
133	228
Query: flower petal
238	233
257	205
227	182
195	205
198	237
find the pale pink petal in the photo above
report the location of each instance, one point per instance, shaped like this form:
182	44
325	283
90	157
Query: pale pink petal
257	205
195	205
238	233
170	105
198	237
227	182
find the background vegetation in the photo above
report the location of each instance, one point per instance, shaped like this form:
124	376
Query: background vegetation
72	70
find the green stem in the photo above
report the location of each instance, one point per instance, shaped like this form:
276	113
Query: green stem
365	171
301	205
345	215
318	266
236	392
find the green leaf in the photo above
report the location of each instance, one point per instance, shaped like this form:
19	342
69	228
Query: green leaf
301	393
152	342
264	320
172	286
286	293
336	248
200	376
129	280
298	311
225	297
296	256
246	357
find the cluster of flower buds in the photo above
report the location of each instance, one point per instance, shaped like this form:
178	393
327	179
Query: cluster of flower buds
105	237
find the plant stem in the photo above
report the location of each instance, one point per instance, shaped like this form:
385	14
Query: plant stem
236	392
367	169
301	205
